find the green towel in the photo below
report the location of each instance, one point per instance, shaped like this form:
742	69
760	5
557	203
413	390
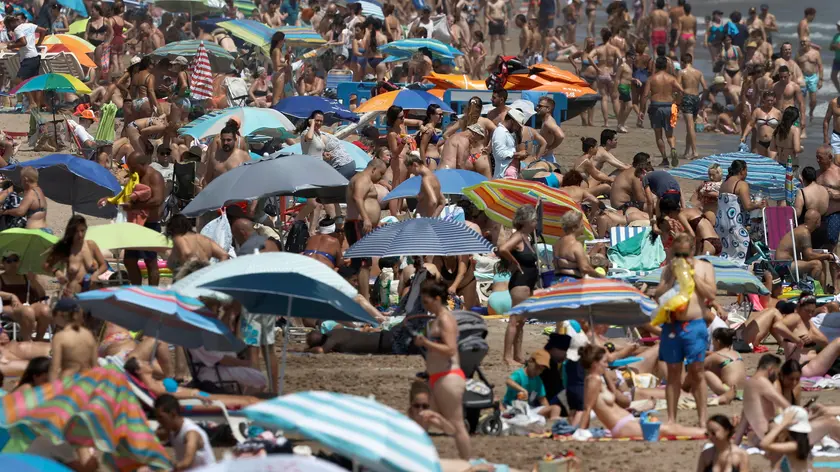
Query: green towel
637	253
106	129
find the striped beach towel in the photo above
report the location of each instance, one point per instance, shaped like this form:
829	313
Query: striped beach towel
201	78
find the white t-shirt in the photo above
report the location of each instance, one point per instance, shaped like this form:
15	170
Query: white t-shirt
204	455
27	30
503	146
314	148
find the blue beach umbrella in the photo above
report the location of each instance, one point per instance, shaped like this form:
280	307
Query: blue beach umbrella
77	5
360	157
164	314
72	181
302	107
251	119
420	237
31	463
220	59
373	435
452	182
729	277
763	173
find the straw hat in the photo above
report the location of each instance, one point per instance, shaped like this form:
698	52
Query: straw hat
477	129
180	61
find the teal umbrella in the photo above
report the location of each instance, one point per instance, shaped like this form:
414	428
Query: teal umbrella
191	6
729	276
220	59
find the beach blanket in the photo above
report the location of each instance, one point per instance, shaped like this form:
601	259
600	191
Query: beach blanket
661	438
637	253
820	383
730	227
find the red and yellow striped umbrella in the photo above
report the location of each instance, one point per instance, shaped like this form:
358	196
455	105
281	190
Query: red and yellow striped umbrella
500	198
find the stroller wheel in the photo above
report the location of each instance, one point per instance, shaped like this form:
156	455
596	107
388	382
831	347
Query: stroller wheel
491	426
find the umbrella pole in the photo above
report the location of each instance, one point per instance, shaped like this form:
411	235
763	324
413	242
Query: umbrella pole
793	240
591	324
285	345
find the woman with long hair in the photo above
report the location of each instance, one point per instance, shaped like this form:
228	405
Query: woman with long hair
99	32
400	143
81	259
789	437
733	62
431	137
34	204
733	201
786	143
121	28
358	60
187	245
141	89
725	370
446	379
788	383
724	455
764	121
472	115
312	141
36	374
282	67
375	39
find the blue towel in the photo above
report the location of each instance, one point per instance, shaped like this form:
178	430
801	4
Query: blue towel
563	428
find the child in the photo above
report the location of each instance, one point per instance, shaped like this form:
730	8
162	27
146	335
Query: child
526	384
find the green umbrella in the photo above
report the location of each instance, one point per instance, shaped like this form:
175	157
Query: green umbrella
127	236
193	7
220	60
30	244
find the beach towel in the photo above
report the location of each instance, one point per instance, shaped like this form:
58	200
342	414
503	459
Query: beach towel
730	227
125	193
638	253
675	115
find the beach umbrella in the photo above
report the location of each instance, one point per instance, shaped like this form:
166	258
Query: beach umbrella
31	245
95	408
763	173
500	198
370	9
420	237
220	60
408	99
601	301
72	44
412	45
250	119
164	314
76	5
201	75
301	36
72	181
452	182
191	6
296	175
280	134
250	31
302	107
127	236
373	435
78	27
278	462
31	463
360	157
729	277
245	6
61	83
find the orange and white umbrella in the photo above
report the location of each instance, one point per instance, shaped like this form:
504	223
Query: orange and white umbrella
72	44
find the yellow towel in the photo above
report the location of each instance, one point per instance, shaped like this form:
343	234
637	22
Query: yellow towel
124	195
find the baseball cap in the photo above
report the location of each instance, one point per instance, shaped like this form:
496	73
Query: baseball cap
800	417
66	304
135	60
89	115
541	357
517	116
477	129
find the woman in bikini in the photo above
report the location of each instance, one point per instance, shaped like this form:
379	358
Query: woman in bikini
99	32
600	397
641	74
786	142
358	62
588	71
24	299
724	455
375	39
121	28
141	89
148	129
457	273
472	115
733	61
446	379
477	55
400	143
259	89
764	121
33	206
82	260
724	368
282	69
687	27
788	383
607	55
430	136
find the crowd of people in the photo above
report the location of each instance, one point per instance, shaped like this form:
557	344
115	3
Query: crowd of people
640	66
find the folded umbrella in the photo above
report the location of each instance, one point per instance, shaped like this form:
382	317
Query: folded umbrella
420	237
763	173
452	182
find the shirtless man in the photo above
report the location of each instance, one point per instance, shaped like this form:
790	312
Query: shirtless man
461	147
810	62
497	23
141	164
550	130
394	31
786	59
693	84
623	89
627	190
498	99
273	18
310	84
675	15
761	399
524	32
769	20
687	32
73	347
808	261
363	214
803	30
430	200
685	339
812	349
788	94
151	37
325	246
658	24
535	44
604	155
754	24
662	88
218	161
833	138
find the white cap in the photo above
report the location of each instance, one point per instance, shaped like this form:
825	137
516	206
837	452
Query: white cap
800	418
578	341
517	116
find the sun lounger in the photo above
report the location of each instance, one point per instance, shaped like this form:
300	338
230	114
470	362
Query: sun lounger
237	91
63	63
335	77
776	221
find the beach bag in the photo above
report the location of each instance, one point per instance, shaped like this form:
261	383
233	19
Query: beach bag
219	231
297	238
521	420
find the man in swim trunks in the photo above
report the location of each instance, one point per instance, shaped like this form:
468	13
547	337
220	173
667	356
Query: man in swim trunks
808	261
550	130
141	164
663	88
497	22
810	62
430	200
325	246
659	23
624	81
692	82
833	112
627	188
363	213
829	177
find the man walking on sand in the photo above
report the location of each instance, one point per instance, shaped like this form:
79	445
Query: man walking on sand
684	338
662	88
363	212
430	200
832	138
810	62
497	23
693	83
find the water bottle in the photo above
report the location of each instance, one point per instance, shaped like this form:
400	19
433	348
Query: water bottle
756	214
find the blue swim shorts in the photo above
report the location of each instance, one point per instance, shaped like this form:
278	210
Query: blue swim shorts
811	82
683	341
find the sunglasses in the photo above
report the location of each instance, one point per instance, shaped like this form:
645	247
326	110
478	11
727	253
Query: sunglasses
420	406
683	255
11	260
164	153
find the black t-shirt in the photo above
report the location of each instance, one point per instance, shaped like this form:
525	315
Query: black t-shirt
660	183
552	379
741	38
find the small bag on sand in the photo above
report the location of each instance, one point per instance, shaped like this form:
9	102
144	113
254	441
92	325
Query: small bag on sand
524	420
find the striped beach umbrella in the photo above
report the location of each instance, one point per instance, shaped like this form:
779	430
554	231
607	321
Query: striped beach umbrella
250	119
500	198
193	7
729	277
64	83
420	237
301	36
601	301
201	77
371	434
95	408
763	173
250	31
408	99
220	59
439	50
164	314
369	9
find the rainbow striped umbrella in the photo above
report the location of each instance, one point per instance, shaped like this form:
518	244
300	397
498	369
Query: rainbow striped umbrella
602	301
500	198
95	408
301	36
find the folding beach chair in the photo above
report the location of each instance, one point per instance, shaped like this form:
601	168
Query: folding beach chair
776	221
620	234
236	90
336	76
222	386
78	148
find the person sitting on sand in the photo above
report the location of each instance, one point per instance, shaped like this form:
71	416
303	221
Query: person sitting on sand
725	370
600	398
420	409
769	321
813	350
34	203
188	440
23	299
788	382
761	399
723	455
73	346
142	371
525	384
37	373
805	238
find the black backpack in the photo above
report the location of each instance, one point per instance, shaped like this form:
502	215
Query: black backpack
297	238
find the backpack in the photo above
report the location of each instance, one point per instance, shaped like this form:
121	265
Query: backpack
297	238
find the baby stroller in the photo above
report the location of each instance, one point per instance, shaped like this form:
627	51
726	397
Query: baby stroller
472	347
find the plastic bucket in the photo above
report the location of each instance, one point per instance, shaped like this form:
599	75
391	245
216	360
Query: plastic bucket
650	431
547	278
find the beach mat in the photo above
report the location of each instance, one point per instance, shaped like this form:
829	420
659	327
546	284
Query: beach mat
661	439
826	465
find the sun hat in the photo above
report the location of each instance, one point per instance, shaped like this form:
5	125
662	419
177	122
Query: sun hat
89	115
180	61
800	419
541	357
719	80
517	116
477	129
135	60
